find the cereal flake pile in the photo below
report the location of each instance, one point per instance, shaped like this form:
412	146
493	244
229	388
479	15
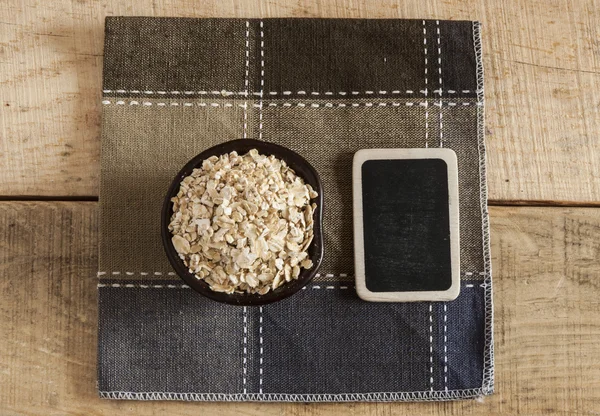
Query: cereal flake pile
243	223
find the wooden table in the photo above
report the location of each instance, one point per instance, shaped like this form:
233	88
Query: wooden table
542	63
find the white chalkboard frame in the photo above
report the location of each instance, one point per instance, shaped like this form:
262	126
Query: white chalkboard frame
449	157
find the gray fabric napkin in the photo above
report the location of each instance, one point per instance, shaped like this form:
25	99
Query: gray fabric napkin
324	88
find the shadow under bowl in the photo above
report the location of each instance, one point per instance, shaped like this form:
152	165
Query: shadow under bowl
315	250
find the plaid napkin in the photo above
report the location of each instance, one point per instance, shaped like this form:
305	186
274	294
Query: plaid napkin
324	88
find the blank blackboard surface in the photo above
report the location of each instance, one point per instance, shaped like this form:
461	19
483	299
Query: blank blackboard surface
406	225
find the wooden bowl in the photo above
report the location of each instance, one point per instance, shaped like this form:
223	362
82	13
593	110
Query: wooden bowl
315	250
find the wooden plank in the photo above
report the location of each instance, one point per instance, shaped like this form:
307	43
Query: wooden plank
540	58
543	70
547	305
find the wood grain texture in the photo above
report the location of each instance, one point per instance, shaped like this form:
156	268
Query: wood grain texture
542	62
547	305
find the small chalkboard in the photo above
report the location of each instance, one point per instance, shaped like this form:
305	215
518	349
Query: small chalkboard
406	239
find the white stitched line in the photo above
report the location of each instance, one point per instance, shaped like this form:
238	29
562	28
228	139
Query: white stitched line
445	347
439	61
246	93
431	346
170	286
365	104
425	91
260	330
331	275
468	285
245	347
262	80
101	273
300	104
324	287
131	285
439	51
441	128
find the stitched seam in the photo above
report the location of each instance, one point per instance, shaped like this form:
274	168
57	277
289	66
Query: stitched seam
247	69
488	367
116	273
183	286
245	136
275	93
245	358
280	397
287	104
439	62
427	145
431	346
445	347
426	86
143	286
260	333
441	129
317	287
262	80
